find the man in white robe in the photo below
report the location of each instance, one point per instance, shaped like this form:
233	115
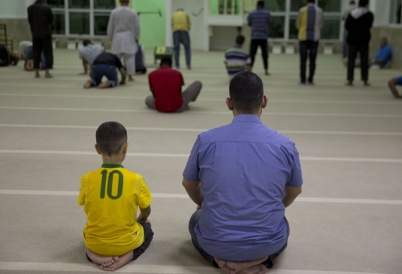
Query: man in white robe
124	32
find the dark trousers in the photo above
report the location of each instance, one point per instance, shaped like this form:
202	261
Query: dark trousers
263	44
45	45
307	48
364	61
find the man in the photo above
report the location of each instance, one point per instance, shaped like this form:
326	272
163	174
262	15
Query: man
309	23
181	27
236	58
358	24
242	176
40	18
22	48
88	55
106	64
124	32
259	20
7	57
165	85
29	62
392	86
383	54
345	32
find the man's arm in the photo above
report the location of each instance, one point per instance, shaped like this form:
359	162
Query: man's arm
123	76
194	191
145	212
85	66
291	194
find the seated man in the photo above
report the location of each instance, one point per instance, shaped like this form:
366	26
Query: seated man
88	54
383	54
28	60
7	57
165	85
392	86
242	176
237	59
106	64
140	61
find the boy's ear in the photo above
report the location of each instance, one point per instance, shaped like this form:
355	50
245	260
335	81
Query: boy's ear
97	149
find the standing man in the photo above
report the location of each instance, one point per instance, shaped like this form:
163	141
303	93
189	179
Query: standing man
345	31
358	24
40	18
259	20
124	31
181	27
309	23
242	176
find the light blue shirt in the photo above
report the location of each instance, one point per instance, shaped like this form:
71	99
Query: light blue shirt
243	168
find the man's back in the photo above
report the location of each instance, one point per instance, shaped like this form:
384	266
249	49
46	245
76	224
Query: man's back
107	58
165	83
259	20
180	21
236	59
40	18
310	22
359	23
90	52
244	168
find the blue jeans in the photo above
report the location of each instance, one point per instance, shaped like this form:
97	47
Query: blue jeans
109	71
209	258
181	37
310	48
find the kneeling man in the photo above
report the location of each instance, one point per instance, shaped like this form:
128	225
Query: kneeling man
242	176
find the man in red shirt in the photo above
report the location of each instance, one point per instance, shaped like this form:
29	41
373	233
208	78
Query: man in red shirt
165	85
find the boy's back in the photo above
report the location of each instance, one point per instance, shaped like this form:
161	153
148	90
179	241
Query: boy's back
236	60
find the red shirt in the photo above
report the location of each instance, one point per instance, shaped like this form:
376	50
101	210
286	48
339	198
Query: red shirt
165	83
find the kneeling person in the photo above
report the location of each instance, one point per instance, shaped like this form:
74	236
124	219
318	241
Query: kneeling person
29	62
392	86
106	64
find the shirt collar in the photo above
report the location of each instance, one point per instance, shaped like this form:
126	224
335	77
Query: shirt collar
247	118
112	166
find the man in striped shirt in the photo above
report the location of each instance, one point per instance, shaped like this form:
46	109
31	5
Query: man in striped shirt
309	24
237	59
259	20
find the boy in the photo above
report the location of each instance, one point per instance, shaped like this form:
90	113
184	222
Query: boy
236	58
111	196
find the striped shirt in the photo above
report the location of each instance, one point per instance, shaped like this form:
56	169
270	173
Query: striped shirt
310	23
258	20
236	60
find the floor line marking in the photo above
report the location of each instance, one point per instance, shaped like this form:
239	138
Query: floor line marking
176	155
202	130
365	115
138	268
185	196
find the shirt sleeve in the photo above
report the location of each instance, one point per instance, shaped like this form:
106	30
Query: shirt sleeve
295	179
146	196
83	189
192	169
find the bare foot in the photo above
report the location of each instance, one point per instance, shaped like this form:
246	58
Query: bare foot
48	75
188	67
256	269
231	267
123	260
349	83
366	84
37	75
103	261
130	78
88	84
267	73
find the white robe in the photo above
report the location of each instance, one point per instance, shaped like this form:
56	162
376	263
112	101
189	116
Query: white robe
124	30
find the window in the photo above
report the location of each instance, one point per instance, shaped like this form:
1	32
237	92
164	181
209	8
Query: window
277	27
81	17
396	12
278	5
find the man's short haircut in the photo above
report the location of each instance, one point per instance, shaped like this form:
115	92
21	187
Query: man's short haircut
240	39
166	61
110	137
311	1
246	92
363	3
260	4
352	2
86	42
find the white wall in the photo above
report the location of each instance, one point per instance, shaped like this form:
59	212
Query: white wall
14	8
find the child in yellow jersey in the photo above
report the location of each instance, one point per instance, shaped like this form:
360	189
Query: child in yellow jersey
111	195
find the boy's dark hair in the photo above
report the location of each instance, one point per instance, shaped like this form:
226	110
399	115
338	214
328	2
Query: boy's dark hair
260	4
246	92
86	42
166	61
110	137
363	3
240	39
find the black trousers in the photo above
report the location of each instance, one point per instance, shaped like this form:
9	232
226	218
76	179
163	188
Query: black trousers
45	45
307	48
254	44
364	61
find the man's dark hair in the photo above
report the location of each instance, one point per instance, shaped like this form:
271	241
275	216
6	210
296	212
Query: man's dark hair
260	4
246	92
110	137
166	61
352	2
86	42
311	1
363	3
240	39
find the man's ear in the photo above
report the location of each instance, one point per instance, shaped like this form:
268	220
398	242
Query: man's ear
97	149
229	103
124	148
264	101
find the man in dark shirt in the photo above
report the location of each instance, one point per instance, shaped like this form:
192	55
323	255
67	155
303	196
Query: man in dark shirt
358	25
40	18
165	84
106	64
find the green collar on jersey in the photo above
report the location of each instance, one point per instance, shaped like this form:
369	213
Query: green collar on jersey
112	166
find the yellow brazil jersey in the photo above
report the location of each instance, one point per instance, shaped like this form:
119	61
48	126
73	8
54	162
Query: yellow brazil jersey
180	21
111	196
